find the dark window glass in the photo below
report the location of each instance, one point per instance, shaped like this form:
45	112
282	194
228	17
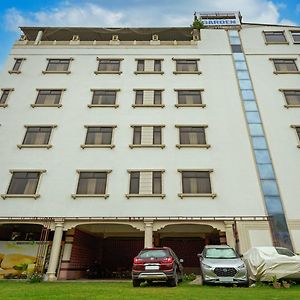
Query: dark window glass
92	183
139	96
58	65
275	37
157	97
48	97
137	135
186	66
157	65
157	135
196	182
104	97
23	183
298	132
134	183
156	182
37	135
17	64
192	135
292	97
189	97
296	36
4	96
236	49
109	65
285	65
99	135
140	65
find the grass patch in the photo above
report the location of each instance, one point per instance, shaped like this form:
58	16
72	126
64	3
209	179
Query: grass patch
124	290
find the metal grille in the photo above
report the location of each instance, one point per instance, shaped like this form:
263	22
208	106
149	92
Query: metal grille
225	272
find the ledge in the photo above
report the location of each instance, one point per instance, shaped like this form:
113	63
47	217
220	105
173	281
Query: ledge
105	196
145	196
187	72
28	170
103	105
148	105
291	105
197	195
110	90
195	170
146	170
34	146
147	146
108	72
56	72
276	43
192	125
3	105
46	105
184	58
102	125
97	146
109	58
193	146
14	72
148	72
286	72
190	105
35	196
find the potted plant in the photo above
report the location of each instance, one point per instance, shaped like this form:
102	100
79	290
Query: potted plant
286	284
276	283
196	26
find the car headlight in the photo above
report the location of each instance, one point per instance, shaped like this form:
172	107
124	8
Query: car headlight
206	266
242	266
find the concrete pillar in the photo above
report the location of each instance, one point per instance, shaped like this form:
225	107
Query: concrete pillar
55	250
230	240
148	239
38	37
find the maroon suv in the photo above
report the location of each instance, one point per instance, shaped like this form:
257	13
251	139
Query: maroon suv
157	264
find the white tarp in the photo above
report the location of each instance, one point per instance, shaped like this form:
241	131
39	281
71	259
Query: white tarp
265	262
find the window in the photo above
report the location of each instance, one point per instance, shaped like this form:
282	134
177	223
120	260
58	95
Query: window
58	66
296	36
192	136
104	98
285	66
98	137
48	98
37	137
109	66
196	183
292	98
148	98
275	37
4	97
189	98
297	129
186	66
92	184
17	65
24	184
148	66
145	183
147	136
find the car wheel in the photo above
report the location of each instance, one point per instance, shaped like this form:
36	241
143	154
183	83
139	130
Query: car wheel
136	282
173	281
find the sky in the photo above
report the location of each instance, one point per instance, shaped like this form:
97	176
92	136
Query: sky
130	13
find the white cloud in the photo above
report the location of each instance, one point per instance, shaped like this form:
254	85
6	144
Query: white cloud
141	14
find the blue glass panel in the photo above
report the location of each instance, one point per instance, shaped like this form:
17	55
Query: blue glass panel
243	75
245	84
248	95
253	117
266	171
240	65
262	156
235	40
269	187
259	142
256	129
233	33
250	106
273	205
238	57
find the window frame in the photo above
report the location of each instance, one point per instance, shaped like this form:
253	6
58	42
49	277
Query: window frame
162	146
196	60
186	195
287	105
296	128
105	195
162	195
35	195
297	33
284	59
99	59
46	71
116	105
148	105
111	145
264	32
179	105
10	90
58	105
18	71
136	72
47	146
206	145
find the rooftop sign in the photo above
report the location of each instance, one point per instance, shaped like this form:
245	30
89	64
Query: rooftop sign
220	19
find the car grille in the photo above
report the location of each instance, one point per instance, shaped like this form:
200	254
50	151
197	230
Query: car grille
225	272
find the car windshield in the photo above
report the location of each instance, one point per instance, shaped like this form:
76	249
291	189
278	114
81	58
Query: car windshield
220	253
154	253
284	251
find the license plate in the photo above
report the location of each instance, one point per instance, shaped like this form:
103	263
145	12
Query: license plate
226	279
151	267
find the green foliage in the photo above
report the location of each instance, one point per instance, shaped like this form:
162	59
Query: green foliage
197	24
35	278
189	277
